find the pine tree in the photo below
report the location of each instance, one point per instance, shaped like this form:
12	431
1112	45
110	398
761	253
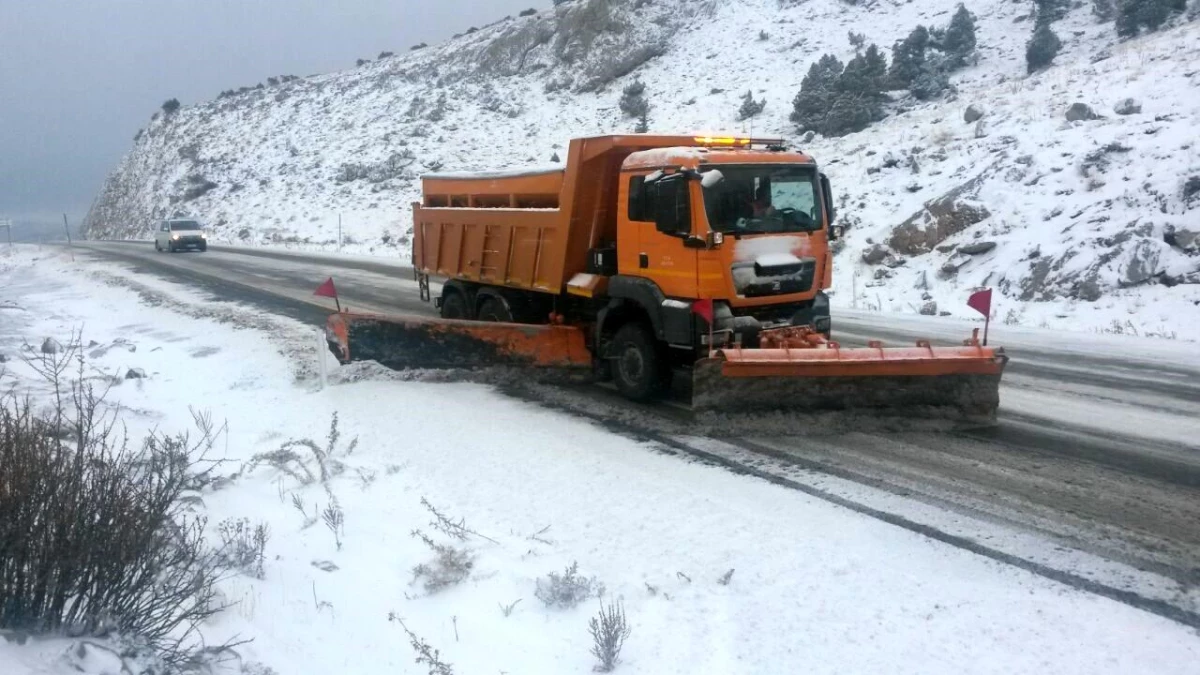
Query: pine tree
633	101
959	40
1042	48
1127	18
1049	11
908	58
750	107
817	93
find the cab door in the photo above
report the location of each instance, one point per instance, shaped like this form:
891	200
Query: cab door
661	213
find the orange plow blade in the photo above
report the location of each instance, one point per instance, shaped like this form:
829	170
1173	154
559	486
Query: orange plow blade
806	374
418	343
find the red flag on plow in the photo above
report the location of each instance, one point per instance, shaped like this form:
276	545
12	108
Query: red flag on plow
981	301
328	290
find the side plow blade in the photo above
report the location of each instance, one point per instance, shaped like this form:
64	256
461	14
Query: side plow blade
960	383
418	343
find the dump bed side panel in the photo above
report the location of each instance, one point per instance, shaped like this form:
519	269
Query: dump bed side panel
521	248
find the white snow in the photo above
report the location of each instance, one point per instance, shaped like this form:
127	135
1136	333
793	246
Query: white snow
483	175
511	102
815	588
776	259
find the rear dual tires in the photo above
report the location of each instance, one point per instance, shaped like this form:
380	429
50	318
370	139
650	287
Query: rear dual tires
639	369
454	306
494	309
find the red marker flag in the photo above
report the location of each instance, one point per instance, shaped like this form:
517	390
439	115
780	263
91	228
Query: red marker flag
327	290
981	301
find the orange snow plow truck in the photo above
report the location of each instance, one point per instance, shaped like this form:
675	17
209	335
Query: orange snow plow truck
649	257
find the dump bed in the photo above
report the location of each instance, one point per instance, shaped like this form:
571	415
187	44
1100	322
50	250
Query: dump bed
528	229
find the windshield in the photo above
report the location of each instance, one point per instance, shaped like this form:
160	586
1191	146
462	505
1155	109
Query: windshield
764	198
185	225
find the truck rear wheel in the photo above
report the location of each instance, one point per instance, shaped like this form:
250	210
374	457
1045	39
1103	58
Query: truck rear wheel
493	309
637	367
454	306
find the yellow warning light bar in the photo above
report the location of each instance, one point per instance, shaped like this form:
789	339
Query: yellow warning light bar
736	142
721	140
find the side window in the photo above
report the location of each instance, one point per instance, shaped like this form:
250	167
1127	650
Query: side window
164	227
641	204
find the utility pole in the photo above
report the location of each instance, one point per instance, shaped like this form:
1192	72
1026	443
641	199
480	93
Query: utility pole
67	229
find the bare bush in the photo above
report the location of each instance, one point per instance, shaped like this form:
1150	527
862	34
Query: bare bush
568	589
456	529
243	547
94	534
450	565
287	460
335	520
426	654
609	632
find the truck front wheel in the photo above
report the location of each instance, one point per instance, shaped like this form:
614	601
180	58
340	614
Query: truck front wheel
637	367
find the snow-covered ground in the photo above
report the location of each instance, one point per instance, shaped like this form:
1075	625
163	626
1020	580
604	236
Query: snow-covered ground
1080	213
815	588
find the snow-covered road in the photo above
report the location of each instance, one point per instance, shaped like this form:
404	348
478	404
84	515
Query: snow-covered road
817	587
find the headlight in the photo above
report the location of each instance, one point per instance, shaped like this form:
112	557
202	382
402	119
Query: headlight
174	236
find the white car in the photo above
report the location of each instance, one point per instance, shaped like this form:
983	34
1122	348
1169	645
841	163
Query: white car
180	234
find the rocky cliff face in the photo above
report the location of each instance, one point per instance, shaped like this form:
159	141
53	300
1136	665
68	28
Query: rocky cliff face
1074	191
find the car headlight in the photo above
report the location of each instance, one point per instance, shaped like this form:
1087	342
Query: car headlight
174	236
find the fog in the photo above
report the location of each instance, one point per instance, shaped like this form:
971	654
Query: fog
78	78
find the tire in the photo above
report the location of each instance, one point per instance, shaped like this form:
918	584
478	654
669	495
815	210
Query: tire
493	309
170	247
454	306
157	247
203	248
638	369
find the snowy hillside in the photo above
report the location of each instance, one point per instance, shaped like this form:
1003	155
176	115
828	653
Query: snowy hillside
1090	223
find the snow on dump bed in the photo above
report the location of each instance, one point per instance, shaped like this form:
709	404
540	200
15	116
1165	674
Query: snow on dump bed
499	173
808	587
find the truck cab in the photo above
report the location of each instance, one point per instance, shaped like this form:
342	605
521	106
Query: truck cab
746	228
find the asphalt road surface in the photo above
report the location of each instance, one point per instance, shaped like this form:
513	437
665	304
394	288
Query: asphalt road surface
1097	449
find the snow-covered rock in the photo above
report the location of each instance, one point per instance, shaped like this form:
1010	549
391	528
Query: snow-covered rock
1079	112
1127	106
973	113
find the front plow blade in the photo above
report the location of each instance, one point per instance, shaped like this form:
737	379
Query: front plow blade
418	343
960	383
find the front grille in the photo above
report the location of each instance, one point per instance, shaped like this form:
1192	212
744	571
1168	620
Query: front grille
759	281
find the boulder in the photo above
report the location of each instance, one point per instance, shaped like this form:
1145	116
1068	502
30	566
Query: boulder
929	308
51	346
808	136
875	254
938	220
955	263
3	358
974	113
883	273
895	261
977	247
1142	265
1191	190
946	248
1127	106
981	130
1185	239
1079	112
135	374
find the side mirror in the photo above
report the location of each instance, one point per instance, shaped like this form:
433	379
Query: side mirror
836	232
827	197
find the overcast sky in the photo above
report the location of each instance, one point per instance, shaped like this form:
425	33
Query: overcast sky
78	78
